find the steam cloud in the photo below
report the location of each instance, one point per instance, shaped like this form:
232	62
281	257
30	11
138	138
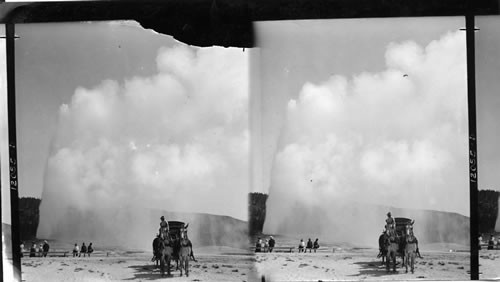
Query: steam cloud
176	141
394	138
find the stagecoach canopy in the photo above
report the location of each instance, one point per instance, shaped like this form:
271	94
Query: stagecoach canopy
401	223
175	227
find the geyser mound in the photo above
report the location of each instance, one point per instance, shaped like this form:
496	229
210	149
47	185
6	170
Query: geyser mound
361	224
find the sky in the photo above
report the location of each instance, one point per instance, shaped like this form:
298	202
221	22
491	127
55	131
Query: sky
114	119
488	102
52	60
288	59
369	111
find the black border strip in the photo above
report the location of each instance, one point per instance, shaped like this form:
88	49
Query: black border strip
473	173
11	109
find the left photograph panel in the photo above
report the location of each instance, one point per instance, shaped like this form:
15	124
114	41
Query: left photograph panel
133	155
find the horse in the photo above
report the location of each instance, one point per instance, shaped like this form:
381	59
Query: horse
156	250
410	248
391	245
381	246
166	251
185	251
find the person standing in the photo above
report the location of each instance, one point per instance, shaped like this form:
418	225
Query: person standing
272	242
258	245
266	246
316	245
21	248
33	250
46	248
83	250
302	245
309	245
90	249
491	243
76	250
40	250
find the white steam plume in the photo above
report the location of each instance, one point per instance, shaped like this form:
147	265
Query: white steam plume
394	138
176	141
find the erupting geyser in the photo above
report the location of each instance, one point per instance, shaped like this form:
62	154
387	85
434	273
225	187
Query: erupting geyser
354	147
176	141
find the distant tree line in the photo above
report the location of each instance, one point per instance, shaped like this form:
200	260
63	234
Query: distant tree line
29	216
256	212
487	210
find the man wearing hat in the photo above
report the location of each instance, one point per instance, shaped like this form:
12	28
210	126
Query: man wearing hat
163	227
271	243
45	248
390	224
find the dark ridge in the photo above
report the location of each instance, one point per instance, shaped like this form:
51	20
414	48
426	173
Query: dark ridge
29	216
488	210
256	212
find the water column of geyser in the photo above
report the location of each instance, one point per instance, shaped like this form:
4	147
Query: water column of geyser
125	154
353	149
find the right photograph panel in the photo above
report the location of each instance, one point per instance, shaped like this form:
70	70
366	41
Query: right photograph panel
487	40
360	150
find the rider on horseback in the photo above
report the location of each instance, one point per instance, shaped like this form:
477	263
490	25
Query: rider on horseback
164	228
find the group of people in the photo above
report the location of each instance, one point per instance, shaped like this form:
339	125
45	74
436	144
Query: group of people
85	250
310	245
265	246
492	242
36	250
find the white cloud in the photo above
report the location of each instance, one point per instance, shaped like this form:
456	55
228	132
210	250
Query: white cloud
384	138
177	141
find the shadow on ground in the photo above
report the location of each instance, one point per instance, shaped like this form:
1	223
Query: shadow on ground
375	269
150	272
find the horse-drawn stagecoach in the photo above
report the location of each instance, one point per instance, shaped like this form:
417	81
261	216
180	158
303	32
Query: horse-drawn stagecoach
400	242
174	245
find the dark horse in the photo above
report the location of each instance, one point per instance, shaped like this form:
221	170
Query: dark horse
156	250
391	246
381	247
163	251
